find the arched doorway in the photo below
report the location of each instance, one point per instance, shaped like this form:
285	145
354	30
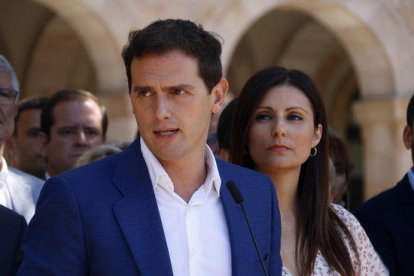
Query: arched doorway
60	44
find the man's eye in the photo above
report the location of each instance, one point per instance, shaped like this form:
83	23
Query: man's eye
66	132
92	132
5	95
177	91
144	93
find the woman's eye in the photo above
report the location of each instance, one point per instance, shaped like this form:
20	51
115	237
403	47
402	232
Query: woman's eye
295	117
263	117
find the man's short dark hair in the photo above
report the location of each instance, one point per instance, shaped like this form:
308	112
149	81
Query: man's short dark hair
163	36
47	118
37	102
410	112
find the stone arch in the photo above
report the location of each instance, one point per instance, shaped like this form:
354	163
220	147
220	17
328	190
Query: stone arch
58	60
359	38
101	46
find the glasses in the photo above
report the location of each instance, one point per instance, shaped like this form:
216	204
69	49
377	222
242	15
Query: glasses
8	96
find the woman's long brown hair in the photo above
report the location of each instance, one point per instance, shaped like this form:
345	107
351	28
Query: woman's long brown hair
319	228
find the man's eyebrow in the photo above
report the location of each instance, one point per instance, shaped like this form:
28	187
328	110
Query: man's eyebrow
166	88
179	86
142	88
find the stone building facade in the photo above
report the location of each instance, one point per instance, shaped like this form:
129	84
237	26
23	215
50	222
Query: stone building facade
361	54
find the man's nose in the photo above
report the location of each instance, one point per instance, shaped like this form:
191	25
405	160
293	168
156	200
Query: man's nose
81	138
162	108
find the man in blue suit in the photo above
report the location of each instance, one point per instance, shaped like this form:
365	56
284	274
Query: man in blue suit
388	218
161	207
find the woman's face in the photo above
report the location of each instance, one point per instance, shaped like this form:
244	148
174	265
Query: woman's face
282	132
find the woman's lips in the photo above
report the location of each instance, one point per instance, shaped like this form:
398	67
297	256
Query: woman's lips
278	148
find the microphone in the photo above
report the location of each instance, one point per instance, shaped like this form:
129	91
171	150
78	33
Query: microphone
238	198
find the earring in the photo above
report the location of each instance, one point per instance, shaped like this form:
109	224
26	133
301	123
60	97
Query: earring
313	151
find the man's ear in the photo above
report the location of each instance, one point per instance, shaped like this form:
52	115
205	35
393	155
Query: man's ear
408	137
219	91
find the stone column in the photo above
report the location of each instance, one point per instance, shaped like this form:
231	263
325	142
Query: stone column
122	126
386	160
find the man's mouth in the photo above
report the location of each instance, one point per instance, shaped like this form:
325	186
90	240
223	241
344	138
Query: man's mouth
166	133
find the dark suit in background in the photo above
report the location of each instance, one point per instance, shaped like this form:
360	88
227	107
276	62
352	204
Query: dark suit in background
12	228
388	219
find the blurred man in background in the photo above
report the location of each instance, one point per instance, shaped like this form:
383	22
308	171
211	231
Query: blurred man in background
388	218
73	121
18	191
25	148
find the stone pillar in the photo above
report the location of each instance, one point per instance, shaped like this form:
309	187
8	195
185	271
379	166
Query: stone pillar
122	125
386	160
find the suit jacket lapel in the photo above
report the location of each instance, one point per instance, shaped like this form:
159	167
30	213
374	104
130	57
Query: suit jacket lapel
406	195
238	232
138	216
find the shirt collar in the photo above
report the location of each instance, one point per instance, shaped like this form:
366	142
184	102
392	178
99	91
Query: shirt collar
157	172
4	170
411	177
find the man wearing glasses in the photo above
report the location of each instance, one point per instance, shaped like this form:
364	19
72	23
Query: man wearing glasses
18	191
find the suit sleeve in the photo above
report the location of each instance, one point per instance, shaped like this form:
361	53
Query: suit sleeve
275	263
18	255
378	237
54	243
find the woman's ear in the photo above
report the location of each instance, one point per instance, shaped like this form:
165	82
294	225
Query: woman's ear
317	135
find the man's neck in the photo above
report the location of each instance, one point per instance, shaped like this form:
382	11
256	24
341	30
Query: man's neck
187	175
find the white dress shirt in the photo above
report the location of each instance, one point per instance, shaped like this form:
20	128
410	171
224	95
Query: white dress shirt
196	232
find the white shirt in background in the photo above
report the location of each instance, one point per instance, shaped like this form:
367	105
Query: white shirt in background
19	191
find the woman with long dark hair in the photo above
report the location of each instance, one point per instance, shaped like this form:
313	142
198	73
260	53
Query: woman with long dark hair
280	129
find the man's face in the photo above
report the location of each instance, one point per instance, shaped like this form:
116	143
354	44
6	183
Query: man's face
77	128
172	105
7	111
27	146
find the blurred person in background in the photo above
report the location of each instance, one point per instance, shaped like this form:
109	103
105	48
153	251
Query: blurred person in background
99	152
224	128
73	121
388	218
25	148
339	154
19	191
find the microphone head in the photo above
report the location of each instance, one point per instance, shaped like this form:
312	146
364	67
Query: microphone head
234	191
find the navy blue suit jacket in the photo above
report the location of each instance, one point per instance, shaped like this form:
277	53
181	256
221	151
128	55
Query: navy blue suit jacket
102	219
12	228
388	219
